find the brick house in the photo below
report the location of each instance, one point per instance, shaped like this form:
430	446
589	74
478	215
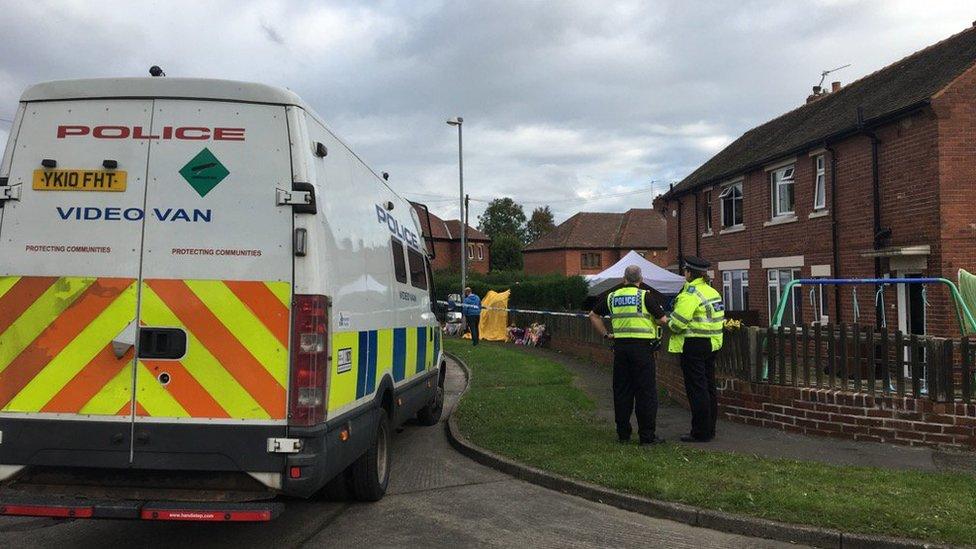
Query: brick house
868	180
447	244
589	242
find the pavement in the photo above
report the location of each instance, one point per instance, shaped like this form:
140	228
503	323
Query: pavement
673	421
437	498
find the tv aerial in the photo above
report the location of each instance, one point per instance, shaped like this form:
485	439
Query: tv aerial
823	75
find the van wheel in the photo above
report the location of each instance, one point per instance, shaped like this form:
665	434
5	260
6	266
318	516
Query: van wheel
370	474
431	413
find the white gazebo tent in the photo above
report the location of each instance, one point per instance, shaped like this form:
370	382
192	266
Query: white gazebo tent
656	277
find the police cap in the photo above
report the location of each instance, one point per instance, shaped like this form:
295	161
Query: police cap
695	263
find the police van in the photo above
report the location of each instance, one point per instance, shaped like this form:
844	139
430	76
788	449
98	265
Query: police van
206	300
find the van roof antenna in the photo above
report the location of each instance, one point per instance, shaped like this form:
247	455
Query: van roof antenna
823	75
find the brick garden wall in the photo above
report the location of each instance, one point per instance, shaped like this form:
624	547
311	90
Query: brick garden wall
819	412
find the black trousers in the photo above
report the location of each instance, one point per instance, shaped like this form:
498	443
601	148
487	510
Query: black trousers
473	322
698	368
634	388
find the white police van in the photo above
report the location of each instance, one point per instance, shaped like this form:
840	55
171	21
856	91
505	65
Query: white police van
204	296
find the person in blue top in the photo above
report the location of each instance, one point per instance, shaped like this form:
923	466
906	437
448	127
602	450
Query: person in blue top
471	308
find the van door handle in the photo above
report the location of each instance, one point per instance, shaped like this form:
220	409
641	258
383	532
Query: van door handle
124	340
162	343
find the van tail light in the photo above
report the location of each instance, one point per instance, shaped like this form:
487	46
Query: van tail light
309	360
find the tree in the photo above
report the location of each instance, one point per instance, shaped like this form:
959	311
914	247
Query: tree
540	224
506	253
503	216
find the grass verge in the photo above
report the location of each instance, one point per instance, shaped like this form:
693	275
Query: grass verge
525	407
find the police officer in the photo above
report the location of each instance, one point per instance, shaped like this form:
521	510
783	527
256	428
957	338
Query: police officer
634	317
696	332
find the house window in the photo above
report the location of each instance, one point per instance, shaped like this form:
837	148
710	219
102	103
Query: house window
781	182
820	183
470	251
590	260
778	279
399	267
731	198
707	210
735	290
481	252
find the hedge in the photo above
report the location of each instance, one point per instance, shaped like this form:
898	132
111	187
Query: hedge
552	292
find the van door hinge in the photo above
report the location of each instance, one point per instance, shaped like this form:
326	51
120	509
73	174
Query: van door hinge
293	198
11	192
284	445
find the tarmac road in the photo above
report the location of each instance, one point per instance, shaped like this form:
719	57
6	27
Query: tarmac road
437	498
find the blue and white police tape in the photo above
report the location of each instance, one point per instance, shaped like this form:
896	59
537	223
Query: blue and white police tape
511	310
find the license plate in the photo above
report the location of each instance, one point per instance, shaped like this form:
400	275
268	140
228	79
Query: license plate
79	180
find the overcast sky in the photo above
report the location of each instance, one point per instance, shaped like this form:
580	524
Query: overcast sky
581	105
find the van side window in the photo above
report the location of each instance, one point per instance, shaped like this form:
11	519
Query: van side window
418	274
398	265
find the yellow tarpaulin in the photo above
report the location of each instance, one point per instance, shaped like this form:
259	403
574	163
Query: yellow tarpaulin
494	324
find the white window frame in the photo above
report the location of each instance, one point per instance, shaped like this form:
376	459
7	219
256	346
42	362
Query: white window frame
728	299
779	180
774	282
728	190
819	183
707	211
470	251
481	252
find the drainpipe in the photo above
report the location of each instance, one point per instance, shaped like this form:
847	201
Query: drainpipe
881	235
680	253
834	239
697	228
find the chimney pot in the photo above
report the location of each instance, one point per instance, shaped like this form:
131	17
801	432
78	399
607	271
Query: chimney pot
835	86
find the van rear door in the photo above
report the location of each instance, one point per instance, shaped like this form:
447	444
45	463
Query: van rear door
69	260
216	277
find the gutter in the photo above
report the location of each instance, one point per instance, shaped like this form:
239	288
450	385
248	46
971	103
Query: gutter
837	136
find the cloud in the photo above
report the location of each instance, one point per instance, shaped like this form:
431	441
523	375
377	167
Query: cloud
571	102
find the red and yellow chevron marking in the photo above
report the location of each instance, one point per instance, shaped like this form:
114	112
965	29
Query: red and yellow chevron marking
236	365
56	342
56	347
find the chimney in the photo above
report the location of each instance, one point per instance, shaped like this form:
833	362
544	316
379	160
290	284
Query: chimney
817	93
834	87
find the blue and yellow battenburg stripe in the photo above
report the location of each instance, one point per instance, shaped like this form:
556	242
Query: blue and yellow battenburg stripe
403	352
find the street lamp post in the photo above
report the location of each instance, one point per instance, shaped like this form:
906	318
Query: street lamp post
458	121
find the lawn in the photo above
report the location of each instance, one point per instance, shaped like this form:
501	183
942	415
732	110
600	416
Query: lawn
525	407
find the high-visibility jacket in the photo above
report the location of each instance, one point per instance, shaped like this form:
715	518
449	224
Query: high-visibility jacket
629	317
698	312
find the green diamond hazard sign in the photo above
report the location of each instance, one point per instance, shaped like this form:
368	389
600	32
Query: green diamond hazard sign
204	172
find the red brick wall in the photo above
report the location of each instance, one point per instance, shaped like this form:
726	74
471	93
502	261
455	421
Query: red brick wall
909	168
818	412
448	257
569	261
956	113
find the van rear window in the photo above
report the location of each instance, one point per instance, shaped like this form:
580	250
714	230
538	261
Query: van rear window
418	274
399	268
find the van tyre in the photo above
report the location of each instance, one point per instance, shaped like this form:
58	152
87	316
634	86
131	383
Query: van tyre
370	474
431	413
